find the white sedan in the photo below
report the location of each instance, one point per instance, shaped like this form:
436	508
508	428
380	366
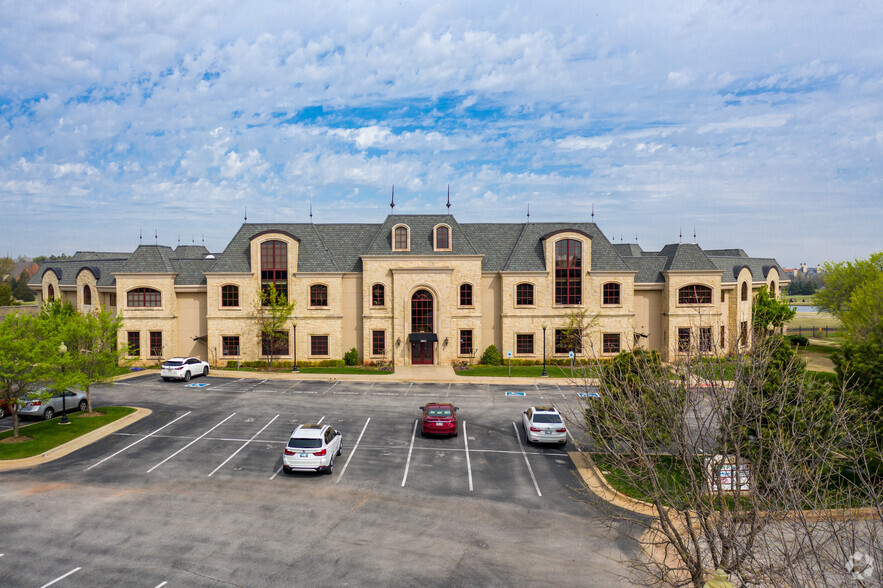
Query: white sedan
543	424
183	368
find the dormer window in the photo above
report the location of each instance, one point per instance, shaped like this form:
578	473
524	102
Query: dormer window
401	239
442	238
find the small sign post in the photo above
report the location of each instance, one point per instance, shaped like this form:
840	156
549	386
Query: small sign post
571	363
510	364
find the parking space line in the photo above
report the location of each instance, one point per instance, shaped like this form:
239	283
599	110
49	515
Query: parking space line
409	388
468	463
408	463
449	389
349	456
191	443
332	386
61	577
319	422
229	382
137	442
161	584
372	385
529	469
241	447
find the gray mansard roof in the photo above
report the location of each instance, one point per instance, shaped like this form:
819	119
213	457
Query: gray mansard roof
504	247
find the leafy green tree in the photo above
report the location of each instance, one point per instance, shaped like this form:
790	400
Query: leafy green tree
351	357
843	279
92	354
272	312
5	294
23	351
769	313
491	356
6	265
21	290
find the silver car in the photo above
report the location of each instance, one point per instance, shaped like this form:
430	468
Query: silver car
36	408
183	368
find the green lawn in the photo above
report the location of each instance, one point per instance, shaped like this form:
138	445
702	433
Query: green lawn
315	370
528	371
46	435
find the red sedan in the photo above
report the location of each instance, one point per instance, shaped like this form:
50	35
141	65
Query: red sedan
439	419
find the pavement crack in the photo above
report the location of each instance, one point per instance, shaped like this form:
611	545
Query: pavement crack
208	577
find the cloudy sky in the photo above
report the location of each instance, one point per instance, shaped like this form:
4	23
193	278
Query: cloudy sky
757	124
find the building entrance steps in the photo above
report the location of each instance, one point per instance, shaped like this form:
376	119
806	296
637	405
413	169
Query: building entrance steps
426	373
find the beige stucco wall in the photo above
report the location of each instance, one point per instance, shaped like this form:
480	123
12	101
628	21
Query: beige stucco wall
163	319
648	318
691	316
86	278
192	325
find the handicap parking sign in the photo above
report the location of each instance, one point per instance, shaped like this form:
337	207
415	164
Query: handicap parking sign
589	395
514	393
196	385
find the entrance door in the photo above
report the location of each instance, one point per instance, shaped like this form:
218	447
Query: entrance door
421	353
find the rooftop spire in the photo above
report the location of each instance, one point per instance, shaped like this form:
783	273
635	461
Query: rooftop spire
311	212
155	237
528	212
680	235
449	199
593	212
246	214
392	203
694	234
139	237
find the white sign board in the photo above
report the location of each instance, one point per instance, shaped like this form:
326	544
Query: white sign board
571	355
509	354
726	476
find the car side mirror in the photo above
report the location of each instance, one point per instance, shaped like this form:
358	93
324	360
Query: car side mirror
337	433
422	408
456	408
523	412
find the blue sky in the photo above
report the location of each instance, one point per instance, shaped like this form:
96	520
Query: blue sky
757	124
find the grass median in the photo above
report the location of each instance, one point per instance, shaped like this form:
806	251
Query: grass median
529	371
40	437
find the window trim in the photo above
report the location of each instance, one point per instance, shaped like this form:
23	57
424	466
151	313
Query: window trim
618	294
287	343
382	293
129	335
275	280
407	229
435	244
150	344
604	350
533	295
374	352
327	345
238	346
533	344
697	293
143	290
87	293
568	270
230	306
327	297
460	351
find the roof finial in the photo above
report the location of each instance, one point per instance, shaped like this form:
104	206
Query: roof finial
636	237
155	237
311	212
392	203
694	234
139	237
203	239
245	220
593	212
680	235
449	199
528	212
192	239
179	238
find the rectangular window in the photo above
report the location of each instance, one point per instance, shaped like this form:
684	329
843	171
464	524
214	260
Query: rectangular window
524	295
466	342
155	343
230	346
319	295
723	337
683	339
112	299
611	293
230	296
524	344
466	295
319	345
705	339
134	344
275	345
610	342
567	341
378	342
743	333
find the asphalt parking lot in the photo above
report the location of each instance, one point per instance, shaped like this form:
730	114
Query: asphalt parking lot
194	494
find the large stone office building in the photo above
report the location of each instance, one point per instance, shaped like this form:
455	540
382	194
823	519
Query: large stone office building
419	289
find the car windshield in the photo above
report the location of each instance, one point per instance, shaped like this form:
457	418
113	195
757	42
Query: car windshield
546	418
439	412
305	443
173	363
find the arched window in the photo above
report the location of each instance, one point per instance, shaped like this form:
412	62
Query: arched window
318	295
421	312
274	267
87	295
50	292
524	295
400	241
230	296
773	288
143	298
744	291
465	294
694	294
568	272
378	295
442	238
611	293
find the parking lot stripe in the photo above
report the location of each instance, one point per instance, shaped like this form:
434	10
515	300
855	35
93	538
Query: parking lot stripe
241	447
61	577
228	383
319	422
137	442
468	463
351	453
408	463
529	469
161	584
191	443
409	388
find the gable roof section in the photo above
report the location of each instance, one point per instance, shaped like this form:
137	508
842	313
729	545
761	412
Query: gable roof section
686	257
149	259
758	266
422	238
313	255
101	264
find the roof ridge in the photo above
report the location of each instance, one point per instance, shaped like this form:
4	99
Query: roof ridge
515	245
325	247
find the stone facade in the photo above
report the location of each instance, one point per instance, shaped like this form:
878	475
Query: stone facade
366	284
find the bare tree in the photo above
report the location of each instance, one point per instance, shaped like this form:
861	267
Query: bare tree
762	471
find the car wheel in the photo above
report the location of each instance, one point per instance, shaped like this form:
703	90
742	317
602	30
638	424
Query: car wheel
187	376
205	371
455	433
83	405
286	469
48	414
2	412
330	469
339	449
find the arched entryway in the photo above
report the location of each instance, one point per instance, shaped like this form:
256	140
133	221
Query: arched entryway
422	336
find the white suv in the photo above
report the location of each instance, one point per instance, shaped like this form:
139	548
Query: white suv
183	368
543	424
312	447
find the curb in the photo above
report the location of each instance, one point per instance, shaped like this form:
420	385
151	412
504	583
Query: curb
78	443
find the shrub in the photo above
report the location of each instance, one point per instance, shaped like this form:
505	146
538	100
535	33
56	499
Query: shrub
332	363
233	364
351	357
491	356
798	340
